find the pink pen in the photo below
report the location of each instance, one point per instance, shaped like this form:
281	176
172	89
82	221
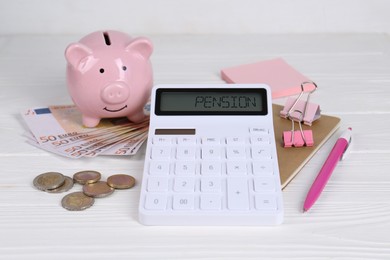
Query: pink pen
323	176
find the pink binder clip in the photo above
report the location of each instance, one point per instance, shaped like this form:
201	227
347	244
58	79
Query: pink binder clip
311	112
297	138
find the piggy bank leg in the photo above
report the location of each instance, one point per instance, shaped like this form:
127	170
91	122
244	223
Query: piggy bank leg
137	117
90	121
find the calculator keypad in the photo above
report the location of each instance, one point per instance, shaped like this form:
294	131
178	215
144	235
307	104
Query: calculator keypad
212	174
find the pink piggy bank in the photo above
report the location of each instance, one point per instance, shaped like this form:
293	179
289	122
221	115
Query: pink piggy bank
109	74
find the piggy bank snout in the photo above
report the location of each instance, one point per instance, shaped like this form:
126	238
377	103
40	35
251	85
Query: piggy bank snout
115	93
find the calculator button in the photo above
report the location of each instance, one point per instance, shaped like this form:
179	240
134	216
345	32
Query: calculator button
183	202
161	152
157	184
184	184
265	202
210	168
235	141
259	152
160	140
260	140
159	168
156	201
211	141
211	152
210	184
186	141
185	168
237	194
258	130
185	152
210	202
236	152
264	184
236	168
263	167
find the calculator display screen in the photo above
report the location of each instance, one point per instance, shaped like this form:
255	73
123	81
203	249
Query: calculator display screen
212	101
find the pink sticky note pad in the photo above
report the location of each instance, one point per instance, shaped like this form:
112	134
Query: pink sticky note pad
283	79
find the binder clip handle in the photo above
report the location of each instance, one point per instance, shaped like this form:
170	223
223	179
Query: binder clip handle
300	95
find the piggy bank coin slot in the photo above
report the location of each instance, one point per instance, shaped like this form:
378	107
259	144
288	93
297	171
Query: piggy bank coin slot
107	38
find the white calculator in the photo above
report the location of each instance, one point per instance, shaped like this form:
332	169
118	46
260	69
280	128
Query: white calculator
211	157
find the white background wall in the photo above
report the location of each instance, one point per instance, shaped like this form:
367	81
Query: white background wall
194	17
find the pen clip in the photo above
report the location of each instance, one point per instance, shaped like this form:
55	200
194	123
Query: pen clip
347	149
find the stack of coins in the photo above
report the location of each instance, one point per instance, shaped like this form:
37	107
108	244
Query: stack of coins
93	187
53	182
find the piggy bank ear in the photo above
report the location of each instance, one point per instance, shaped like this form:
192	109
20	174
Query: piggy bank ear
142	46
79	56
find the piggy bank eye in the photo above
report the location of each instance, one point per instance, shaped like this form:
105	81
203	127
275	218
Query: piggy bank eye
124	68
101	70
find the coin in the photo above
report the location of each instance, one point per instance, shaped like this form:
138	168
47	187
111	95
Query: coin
84	177
121	181
77	201
68	184
98	189
49	181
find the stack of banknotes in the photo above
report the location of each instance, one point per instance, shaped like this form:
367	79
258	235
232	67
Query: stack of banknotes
59	129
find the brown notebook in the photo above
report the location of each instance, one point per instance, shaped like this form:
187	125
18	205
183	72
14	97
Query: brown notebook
291	160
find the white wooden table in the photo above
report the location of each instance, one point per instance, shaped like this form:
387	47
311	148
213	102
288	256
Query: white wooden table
351	220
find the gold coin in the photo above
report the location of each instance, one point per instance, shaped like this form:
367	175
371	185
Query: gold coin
85	177
77	201
98	189
121	181
68	184
49	181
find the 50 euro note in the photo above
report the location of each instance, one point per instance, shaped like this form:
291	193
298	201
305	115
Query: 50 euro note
101	144
59	129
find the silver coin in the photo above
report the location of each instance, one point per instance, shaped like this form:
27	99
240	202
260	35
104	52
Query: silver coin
49	181
68	184
85	177
77	201
98	189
